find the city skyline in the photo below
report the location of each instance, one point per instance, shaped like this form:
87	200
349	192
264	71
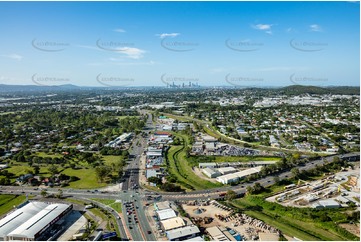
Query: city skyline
154	43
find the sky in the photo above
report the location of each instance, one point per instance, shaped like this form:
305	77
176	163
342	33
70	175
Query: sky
163	43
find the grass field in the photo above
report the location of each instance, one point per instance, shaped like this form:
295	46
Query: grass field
109	159
117	206
75	201
21	168
179	167
43	154
288	222
7	202
87	178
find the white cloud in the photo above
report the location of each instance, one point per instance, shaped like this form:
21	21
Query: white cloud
262	26
131	52
13	56
164	35
315	28
119	30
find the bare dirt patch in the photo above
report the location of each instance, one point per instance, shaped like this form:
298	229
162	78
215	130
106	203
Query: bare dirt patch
352	228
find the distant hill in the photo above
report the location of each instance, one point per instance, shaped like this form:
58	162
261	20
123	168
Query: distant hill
36	88
299	89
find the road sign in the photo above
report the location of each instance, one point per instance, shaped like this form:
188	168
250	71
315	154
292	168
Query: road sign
109	235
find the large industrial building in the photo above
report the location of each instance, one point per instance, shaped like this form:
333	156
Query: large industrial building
183	233
234	177
31	221
166	214
172	223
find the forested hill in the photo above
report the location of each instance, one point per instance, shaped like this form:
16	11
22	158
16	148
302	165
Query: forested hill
299	89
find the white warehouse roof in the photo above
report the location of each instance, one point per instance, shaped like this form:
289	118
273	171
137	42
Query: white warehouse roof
227	170
225	179
19	216
38	222
166	214
182	232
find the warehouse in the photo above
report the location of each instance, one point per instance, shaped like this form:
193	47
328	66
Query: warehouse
210	172
198	238
32	221
206	164
229	178
220	233
234	177
172	223
329	203
227	170
166	214
16	218
162	205
183	233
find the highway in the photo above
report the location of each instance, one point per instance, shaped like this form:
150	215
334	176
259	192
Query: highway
136	222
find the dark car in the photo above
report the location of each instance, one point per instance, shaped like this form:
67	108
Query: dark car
149	232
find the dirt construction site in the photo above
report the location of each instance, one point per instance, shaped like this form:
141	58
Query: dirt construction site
208	214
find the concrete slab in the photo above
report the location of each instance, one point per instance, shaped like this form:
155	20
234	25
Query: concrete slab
76	221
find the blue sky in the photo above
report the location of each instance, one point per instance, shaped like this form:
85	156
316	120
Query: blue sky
155	43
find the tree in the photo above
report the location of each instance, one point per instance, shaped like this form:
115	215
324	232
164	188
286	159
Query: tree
43	193
53	170
36	170
249	190
59	194
336	159
102	172
156	180
276	179
295	172
5	181
231	195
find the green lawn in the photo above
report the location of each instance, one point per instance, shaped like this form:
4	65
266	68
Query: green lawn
75	201
117	206
173	165
21	168
181	169
87	178
43	154
7	202
109	159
